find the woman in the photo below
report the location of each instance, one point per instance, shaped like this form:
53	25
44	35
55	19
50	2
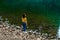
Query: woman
24	22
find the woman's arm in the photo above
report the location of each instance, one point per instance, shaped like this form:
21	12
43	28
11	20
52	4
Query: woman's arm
26	21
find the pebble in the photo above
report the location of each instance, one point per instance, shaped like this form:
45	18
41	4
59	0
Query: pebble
12	33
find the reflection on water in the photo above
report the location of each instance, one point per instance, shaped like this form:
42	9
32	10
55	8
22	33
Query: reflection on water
59	32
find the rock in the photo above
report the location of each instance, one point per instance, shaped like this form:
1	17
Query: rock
14	32
1	26
18	27
38	38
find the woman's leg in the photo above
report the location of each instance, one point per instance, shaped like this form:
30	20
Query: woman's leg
24	26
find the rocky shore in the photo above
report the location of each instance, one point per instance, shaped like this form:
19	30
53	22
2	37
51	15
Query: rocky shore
14	32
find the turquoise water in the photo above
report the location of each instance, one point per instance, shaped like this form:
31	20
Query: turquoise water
48	8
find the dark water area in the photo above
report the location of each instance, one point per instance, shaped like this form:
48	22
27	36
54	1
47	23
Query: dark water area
37	8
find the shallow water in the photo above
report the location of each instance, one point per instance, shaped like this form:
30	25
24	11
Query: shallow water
49	8
58	32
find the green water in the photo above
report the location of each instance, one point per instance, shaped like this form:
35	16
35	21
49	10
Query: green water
38	12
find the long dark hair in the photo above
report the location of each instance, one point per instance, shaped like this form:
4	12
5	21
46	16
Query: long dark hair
24	15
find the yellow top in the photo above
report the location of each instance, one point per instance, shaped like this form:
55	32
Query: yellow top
24	20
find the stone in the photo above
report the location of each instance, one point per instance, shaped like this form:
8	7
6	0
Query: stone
10	32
